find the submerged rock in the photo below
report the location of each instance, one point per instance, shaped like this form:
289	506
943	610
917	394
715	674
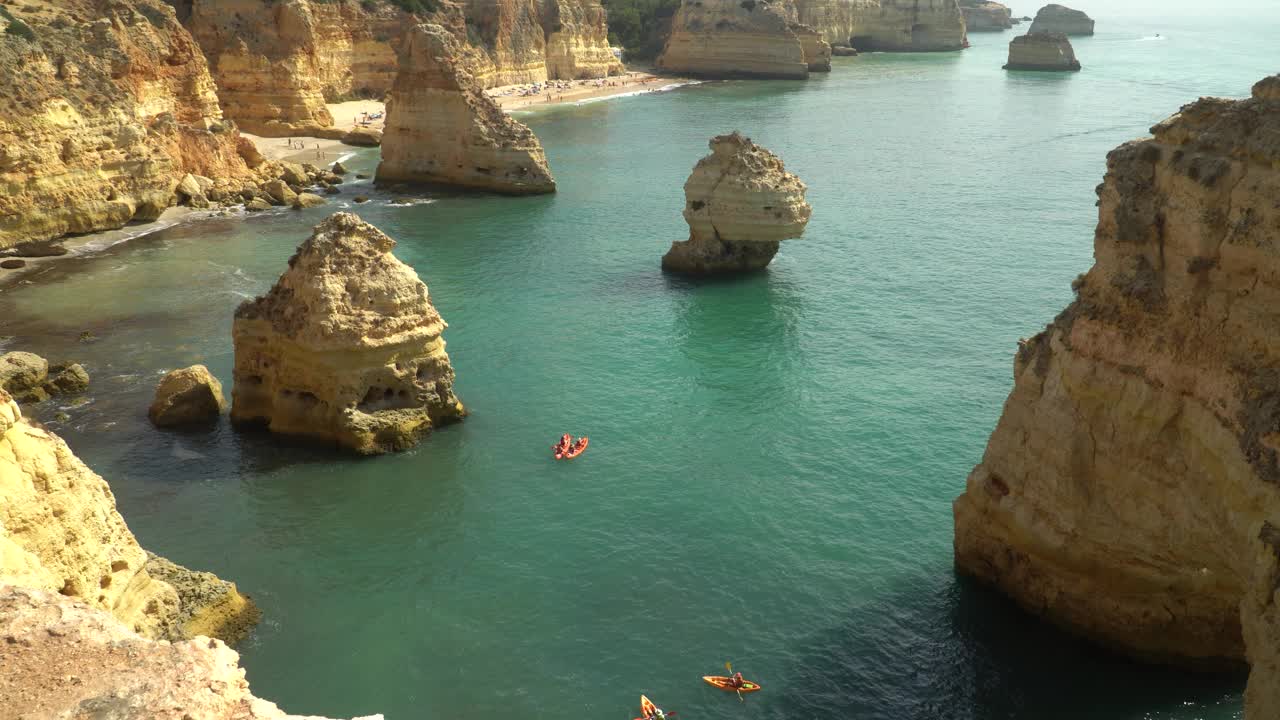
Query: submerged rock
345	347
1062	19
190	396
68	659
1042	51
1124	490
12	264
442	128
740	203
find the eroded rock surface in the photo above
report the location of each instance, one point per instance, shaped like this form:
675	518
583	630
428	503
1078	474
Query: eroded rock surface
189	396
345	347
443	129
60	532
104	106
1062	19
30	378
1122	492
66	659
986	16
743	38
740	203
1042	51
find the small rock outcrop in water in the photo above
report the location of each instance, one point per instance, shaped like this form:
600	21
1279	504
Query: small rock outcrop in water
740	203
442	129
1062	19
986	16
190	396
345	347
1125	488
1042	51
66	659
60	532
742	38
30	378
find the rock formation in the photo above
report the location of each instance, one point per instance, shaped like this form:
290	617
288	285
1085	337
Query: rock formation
986	16
1062	19
1042	51
277	62
60	532
740	203
104	106
66	659
345	347
442	128
742	38
189	396
1125	487
886	25
30	378
1260	621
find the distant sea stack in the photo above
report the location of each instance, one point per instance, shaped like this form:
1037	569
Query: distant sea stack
740	203
1124	491
345	348
1061	19
1042	51
442	129
986	16
742	38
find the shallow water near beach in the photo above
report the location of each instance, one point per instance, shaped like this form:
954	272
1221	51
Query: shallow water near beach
772	459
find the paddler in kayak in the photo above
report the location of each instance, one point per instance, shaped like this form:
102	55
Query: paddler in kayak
736	682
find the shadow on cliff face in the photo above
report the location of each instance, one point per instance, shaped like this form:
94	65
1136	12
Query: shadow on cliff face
963	652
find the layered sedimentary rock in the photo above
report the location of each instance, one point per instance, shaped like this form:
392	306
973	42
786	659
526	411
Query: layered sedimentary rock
104	106
443	129
1123	491
60	532
886	25
740	203
345	347
986	16
577	40
742	38
1062	19
66	659
1042	51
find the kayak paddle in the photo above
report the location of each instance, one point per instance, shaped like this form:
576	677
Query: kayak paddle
729	666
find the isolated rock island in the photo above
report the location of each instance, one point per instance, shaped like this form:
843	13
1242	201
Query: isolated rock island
740	203
1061	19
1050	52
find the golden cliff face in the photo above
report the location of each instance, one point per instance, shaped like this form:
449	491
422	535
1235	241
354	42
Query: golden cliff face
736	38
100	118
442	129
886	25
60	532
1125	485
345	347
740	203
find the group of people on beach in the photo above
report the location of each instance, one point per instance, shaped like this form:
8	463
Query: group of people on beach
302	145
547	90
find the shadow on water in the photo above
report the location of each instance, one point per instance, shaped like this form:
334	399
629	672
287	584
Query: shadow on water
959	650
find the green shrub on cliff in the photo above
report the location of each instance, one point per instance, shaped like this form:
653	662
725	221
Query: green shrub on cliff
640	26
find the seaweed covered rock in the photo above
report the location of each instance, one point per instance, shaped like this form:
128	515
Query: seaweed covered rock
345	348
740	203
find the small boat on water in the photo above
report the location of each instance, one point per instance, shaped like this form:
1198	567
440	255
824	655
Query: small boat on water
726	683
567	449
649	711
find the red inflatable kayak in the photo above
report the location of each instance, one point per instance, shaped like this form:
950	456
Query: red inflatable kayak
576	450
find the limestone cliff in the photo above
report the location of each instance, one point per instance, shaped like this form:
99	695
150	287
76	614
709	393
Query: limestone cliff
1062	19
65	659
1042	51
886	25
740	203
59	531
277	62
442	129
1125	484
742	38
104	106
986	16
345	347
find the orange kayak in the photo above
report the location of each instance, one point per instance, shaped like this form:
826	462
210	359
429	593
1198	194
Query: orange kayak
726	683
576	450
647	708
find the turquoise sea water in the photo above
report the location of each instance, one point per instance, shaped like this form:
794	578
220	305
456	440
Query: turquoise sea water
772	460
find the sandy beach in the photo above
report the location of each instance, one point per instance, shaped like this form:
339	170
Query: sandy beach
556	92
322	151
